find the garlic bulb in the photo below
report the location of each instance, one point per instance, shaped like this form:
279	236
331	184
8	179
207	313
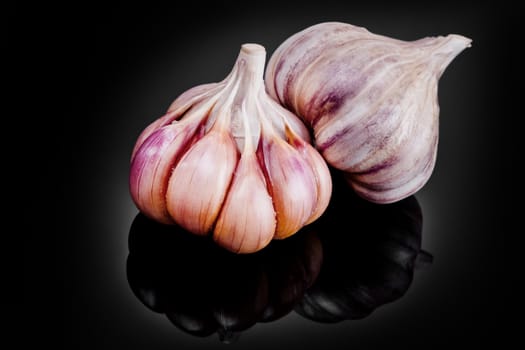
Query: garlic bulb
226	158
371	101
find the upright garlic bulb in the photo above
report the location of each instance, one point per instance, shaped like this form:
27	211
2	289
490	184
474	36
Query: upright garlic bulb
371	101
228	159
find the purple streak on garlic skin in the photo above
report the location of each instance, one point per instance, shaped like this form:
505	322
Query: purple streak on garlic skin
188	100
371	101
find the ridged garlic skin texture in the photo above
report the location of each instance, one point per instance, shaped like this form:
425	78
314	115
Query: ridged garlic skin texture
372	102
227	159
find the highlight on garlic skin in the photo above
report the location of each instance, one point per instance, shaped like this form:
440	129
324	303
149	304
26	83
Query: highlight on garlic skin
227	159
371	100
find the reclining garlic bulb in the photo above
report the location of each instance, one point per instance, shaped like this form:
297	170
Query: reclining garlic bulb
370	100
228	159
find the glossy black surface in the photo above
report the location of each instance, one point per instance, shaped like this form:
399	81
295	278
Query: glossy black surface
328	272
89	77
223	293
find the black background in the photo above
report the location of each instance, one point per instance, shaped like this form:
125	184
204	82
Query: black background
88	78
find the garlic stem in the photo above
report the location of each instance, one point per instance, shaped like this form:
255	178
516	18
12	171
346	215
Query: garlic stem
448	48
254	55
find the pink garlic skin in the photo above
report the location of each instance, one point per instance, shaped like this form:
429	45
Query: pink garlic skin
228	160
372	102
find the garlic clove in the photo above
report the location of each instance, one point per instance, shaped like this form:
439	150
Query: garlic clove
151	167
199	183
370	100
321	174
247	219
292	185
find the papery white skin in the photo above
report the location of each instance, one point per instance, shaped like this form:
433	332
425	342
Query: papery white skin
371	100
228	160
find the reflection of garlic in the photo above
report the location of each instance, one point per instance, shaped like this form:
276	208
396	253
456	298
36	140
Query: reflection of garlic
371	101
227	158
